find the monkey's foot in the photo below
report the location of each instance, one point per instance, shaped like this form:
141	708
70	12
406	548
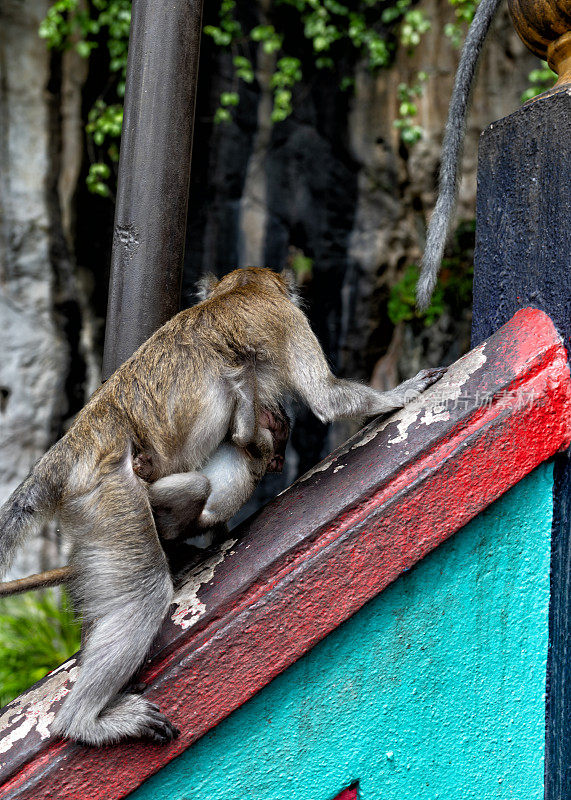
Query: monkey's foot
425	378
129	716
157	727
409	390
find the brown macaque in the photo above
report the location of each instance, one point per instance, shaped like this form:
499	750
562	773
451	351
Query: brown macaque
176	400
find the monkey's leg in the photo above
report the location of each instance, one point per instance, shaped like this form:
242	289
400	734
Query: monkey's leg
233	476
125	589
245	426
333	398
178	501
338	398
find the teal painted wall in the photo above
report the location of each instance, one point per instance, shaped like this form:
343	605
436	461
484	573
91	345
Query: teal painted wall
434	690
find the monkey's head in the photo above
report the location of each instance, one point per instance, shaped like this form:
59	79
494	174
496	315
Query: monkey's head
283	283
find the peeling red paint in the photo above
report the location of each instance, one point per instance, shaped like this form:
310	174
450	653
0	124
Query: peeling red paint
329	544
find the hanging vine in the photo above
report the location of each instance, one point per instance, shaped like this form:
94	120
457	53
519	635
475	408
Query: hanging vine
336	35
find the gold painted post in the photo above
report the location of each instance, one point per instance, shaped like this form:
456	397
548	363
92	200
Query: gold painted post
545	27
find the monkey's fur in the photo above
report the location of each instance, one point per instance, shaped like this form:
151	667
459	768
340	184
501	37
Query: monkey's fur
451	156
195	505
232	475
174	400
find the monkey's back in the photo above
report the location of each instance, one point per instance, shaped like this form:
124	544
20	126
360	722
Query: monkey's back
176	384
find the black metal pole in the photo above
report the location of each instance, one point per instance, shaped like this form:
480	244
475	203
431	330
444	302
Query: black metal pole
154	172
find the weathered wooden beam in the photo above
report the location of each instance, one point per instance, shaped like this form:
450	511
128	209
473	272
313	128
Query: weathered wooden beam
154	174
523	257
316	555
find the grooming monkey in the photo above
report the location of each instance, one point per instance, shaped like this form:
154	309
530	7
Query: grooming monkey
442	216
174	400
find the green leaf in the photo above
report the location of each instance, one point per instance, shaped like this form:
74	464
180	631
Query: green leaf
229	99
222	116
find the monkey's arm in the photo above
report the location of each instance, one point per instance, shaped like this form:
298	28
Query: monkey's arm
333	398
233	476
247	430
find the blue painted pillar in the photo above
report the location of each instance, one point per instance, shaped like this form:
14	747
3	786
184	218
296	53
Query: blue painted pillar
523	258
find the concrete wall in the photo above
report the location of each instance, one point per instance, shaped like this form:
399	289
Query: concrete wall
434	690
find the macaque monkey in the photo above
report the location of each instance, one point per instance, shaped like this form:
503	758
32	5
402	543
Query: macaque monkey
442	216
174	400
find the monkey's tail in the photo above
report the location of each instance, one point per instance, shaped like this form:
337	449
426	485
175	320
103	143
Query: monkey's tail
35	499
452	146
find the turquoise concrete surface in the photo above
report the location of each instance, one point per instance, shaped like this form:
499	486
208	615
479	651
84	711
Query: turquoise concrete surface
434	690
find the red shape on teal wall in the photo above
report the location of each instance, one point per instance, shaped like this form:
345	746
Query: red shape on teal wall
348	794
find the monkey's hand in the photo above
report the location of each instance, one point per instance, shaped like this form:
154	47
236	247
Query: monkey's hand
278	426
143	466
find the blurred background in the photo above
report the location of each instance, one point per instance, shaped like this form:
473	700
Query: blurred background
316	147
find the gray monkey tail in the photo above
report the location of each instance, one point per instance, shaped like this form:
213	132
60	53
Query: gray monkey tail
452	146
34	500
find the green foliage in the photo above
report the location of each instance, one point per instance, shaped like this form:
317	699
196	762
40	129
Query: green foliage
86	27
414	25
38	631
363	27
409	131
402	301
464	13
97	177
368	29
302	265
541	80
454	288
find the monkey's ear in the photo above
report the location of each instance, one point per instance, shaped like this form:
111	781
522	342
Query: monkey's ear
288	277
206	286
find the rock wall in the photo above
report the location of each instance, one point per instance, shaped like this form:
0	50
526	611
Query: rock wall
41	371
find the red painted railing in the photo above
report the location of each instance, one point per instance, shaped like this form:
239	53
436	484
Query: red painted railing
315	555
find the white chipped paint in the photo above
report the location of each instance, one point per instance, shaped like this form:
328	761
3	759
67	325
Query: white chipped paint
334	457
65	666
432	406
340	467
189	608
32	711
